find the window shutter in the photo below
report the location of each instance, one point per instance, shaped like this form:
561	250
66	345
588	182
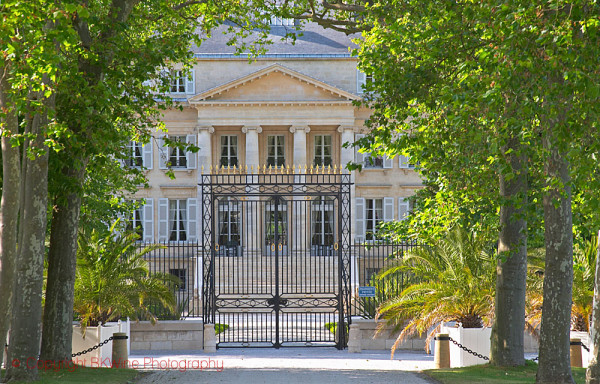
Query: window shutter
359	158
163	220
388	209
147	153
359	232
387	161
190	82
361	81
148	219
403	161
192	229
191	156
163	152
403	208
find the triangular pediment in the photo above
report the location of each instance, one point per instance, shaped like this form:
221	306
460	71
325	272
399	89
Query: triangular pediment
276	84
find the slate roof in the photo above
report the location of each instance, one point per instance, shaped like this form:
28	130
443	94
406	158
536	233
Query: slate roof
314	40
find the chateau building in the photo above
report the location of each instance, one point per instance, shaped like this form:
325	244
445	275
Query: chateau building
292	107
289	111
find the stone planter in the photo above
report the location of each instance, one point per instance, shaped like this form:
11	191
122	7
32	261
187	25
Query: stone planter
100	357
476	339
365	337
167	335
585	339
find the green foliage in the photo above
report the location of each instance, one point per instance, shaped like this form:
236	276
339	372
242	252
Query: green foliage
332	327
77	374
455	81
494	375
584	272
220	328
113	280
456	282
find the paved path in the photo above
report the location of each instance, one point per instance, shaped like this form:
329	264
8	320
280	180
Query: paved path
289	366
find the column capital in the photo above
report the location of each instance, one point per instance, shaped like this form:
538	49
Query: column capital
299	128
343	128
205	127
256	128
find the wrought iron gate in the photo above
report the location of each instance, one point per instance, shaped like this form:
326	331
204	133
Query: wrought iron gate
276	257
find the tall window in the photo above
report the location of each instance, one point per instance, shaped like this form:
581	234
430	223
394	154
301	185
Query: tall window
177	220
276	150
373	216
229	150
177	155
178	82
276	222
134	150
229	224
322	221
323	150
136	221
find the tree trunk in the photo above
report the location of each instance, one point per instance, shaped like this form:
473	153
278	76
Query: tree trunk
554	361
592	375
62	259
9	208
25	333
507	344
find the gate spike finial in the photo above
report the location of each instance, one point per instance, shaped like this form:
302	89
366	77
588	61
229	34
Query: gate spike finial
270	169
282	169
329	170
293	168
264	168
311	169
246	169
288	170
211	169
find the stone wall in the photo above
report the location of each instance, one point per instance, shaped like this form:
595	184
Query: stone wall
386	338
167	335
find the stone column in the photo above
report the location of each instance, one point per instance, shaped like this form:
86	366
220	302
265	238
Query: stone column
301	209
251	219
205	144
252	145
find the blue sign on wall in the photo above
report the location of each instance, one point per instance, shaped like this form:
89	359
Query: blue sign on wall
366	291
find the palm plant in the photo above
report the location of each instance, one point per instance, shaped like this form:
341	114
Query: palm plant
113	280
584	271
454	281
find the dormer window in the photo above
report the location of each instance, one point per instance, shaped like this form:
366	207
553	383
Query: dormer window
362	81
182	82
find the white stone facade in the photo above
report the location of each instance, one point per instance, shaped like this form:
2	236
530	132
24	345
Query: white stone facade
295	109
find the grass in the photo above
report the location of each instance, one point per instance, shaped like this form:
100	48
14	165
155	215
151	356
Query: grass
78	374
491	375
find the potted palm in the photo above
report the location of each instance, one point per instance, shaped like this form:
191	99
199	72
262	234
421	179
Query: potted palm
113	282
453	280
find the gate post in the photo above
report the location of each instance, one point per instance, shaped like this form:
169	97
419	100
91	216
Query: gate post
210	340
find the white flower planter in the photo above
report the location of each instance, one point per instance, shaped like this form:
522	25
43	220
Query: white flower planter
102	356
476	339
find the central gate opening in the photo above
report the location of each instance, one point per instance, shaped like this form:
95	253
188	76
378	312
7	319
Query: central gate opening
276	258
